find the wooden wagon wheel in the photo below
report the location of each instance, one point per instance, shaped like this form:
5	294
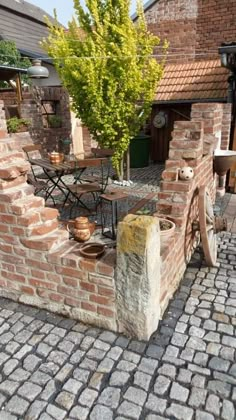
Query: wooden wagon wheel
209	226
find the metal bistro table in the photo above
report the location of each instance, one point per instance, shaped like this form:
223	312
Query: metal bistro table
76	167
60	169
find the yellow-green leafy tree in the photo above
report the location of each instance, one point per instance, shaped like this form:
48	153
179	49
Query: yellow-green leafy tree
105	61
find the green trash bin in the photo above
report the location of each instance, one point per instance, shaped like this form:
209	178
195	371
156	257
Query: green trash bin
139	151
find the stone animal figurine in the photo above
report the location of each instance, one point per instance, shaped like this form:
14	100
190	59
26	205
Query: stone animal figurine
186	173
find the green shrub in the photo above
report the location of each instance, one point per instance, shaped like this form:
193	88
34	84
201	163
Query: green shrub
54	121
15	124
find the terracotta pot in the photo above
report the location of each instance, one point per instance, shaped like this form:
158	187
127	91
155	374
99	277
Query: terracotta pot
165	234
56	157
81	229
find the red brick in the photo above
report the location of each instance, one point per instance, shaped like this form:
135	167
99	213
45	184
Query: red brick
72	302
18	231
8	267
53	277
3	283
105	281
7	219
29	219
87	306
48	214
23	206
71	281
102	300
88	265
40	283
6	248
39	265
87	286
56	297
66	290
28	290
106	312
44	244
41	275
105	291
13	276
5	185
71	272
4	228
44	229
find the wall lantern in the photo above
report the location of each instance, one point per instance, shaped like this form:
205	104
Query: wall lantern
37	71
228	56
111	211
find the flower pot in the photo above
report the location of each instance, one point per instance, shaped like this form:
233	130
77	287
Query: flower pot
167	229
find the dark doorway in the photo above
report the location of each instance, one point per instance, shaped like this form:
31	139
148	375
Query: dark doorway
162	124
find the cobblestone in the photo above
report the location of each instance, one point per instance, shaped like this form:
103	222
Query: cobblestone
54	368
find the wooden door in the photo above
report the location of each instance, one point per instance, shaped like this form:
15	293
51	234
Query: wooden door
161	137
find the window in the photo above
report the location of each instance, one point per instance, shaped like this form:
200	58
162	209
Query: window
51	114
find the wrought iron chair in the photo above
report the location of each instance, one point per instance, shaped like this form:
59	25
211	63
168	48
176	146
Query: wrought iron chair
35	151
78	189
40	188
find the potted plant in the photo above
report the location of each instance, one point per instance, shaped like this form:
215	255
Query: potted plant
54	121
17	125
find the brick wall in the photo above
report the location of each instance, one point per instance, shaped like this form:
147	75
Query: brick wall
38	264
215	24
194	28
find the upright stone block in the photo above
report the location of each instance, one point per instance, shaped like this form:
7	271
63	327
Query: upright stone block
138	275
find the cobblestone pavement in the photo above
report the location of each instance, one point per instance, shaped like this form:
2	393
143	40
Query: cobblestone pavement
56	368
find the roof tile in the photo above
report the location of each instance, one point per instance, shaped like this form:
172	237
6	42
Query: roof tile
198	80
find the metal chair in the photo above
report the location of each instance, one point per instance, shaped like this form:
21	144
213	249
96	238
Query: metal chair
35	151
40	187
77	190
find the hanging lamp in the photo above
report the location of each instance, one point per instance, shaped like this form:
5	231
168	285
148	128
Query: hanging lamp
37	71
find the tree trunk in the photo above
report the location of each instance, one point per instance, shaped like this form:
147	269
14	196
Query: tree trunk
128	165
121	174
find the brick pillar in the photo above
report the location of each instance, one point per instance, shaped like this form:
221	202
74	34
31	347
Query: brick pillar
211	114
186	149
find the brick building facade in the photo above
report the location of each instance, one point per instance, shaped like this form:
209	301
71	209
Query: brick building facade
194	28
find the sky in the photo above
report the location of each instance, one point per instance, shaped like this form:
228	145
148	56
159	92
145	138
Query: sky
64	8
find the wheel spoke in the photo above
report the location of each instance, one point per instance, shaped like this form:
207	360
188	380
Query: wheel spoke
209	227
209	208
209	220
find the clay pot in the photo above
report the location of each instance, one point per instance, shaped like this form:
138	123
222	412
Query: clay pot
82	229
56	158
92	250
167	228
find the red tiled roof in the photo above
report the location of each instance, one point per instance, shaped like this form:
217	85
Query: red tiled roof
193	81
